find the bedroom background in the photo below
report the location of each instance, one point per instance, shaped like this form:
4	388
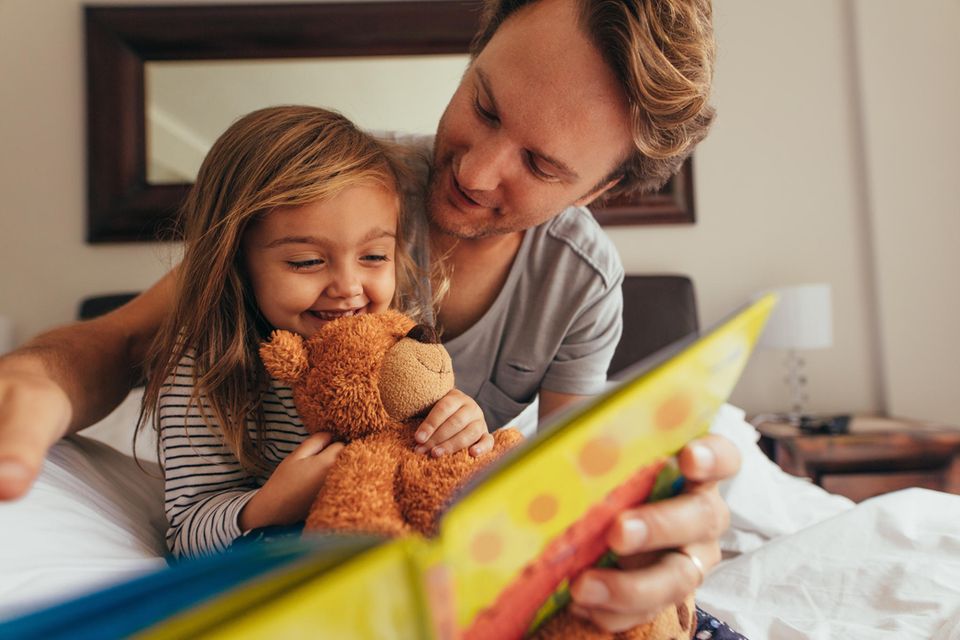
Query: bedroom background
833	160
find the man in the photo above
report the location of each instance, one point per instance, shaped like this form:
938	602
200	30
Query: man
565	101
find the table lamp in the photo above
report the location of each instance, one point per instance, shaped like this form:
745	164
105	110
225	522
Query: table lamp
802	319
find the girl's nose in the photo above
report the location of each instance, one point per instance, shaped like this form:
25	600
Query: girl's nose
345	284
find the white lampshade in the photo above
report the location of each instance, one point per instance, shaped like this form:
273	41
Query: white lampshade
802	319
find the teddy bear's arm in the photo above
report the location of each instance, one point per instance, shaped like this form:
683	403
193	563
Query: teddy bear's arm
427	484
358	494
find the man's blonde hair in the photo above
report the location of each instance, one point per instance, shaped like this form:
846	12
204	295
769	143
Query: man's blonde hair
662	51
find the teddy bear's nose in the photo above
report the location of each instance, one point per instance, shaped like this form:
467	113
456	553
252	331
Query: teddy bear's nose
424	333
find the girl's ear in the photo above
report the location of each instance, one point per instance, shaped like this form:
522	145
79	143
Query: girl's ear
284	356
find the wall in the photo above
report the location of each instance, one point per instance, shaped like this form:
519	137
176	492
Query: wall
910	88
800	181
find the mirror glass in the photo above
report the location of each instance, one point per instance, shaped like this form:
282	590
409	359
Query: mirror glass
190	103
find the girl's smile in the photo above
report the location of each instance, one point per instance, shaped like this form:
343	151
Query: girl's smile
312	264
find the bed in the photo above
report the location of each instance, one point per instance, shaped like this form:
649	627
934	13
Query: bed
799	562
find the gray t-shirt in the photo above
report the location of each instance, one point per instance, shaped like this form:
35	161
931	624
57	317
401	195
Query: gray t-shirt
554	325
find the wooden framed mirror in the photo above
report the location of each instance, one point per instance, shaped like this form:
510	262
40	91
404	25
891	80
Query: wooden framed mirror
129	201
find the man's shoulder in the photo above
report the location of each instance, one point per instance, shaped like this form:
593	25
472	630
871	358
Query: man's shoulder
576	232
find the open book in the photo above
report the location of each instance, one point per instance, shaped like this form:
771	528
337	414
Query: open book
506	548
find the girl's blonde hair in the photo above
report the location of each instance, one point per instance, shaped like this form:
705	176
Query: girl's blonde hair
275	157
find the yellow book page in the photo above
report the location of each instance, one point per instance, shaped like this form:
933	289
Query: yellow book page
375	595
505	523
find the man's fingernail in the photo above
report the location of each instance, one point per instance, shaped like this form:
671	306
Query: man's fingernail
421	436
592	592
703	456
438	451
420	449
634	532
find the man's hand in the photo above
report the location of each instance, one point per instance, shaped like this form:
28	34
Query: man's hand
455	422
285	498
34	413
69	378
653	573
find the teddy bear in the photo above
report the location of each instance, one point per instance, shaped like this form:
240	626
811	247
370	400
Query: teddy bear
370	380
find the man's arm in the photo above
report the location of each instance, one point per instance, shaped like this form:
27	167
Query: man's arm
553	401
69	378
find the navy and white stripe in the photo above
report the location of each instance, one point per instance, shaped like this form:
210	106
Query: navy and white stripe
205	487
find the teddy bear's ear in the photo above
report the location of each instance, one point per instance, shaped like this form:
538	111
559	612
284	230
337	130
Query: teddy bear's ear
284	356
396	322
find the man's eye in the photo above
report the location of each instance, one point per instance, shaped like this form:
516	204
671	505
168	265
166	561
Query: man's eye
538	172
486	114
304	264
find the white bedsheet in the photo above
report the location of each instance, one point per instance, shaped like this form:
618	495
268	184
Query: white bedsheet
889	568
804	563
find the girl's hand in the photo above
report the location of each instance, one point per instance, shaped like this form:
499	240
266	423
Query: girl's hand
287	495
455	422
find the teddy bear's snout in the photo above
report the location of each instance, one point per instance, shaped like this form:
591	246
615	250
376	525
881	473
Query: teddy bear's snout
413	376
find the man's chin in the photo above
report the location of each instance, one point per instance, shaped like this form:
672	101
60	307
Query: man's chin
450	221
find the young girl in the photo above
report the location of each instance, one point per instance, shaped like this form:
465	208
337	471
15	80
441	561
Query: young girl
294	221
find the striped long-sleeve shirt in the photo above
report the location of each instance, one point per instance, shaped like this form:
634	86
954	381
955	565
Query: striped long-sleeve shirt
205	486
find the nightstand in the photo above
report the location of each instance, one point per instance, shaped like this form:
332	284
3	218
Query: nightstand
875	456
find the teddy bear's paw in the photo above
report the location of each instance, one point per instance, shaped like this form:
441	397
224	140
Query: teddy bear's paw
425	486
388	526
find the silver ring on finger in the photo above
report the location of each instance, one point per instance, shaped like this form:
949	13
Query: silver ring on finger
697	564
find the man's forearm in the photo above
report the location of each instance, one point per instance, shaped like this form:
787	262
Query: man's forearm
88	361
96	362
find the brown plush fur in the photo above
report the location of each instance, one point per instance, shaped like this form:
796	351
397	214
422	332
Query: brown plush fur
362	379
368	384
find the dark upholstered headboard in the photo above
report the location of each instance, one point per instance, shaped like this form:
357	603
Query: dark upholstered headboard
657	310
98	305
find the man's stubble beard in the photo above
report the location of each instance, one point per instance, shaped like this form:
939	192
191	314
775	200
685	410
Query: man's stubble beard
436	199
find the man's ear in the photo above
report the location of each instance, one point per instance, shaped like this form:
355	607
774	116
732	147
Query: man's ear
596	193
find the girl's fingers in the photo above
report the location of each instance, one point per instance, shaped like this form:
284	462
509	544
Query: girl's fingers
450	427
483	445
441	412
313	445
330	453
461	438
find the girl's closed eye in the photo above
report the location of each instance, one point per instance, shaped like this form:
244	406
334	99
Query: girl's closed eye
300	265
376	257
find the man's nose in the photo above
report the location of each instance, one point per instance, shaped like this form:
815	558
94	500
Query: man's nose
483	166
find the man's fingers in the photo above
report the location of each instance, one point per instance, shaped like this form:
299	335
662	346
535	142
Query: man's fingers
619	599
33	416
699	515
711	458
